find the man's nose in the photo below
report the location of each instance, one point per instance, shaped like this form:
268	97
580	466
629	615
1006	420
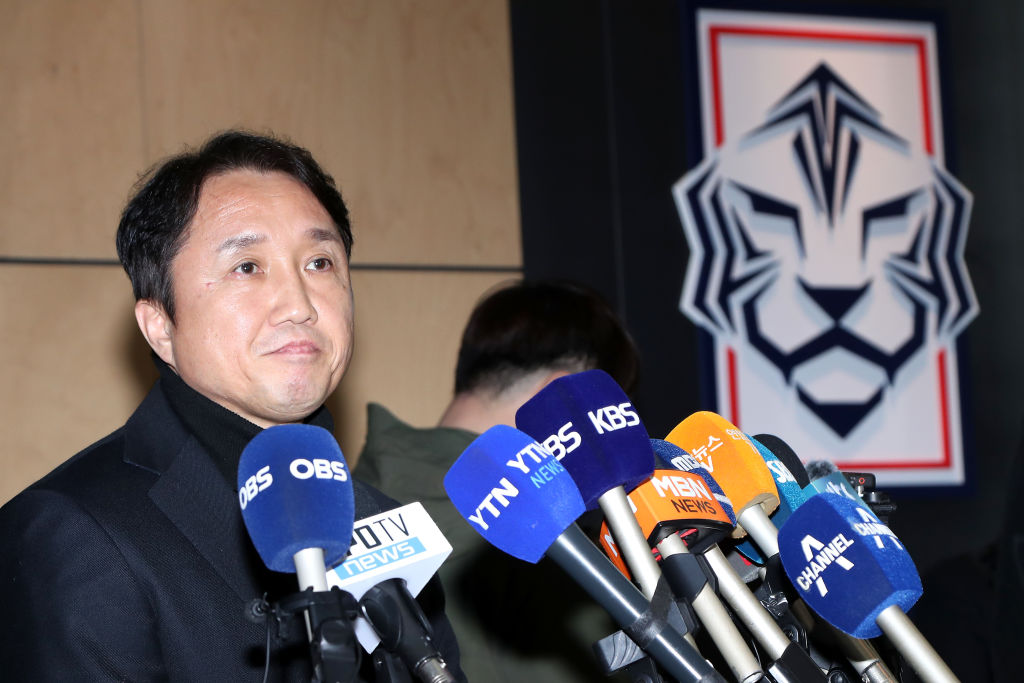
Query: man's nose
292	301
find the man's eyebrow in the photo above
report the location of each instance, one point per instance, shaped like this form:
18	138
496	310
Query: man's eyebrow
322	235
240	242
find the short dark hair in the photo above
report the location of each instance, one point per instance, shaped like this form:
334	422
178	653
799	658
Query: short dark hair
550	324
154	224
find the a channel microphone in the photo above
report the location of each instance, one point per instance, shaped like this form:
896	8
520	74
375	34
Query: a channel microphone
856	574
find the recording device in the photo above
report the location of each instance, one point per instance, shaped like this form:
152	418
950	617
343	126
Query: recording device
392	557
297	503
521	499
859	486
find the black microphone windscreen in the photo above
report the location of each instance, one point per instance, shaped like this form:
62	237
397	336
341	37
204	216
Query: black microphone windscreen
783	452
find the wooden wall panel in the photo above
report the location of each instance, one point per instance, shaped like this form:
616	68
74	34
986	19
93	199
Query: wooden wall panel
408	104
75	365
70	124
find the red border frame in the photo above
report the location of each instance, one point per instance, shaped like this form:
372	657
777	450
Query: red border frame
715	34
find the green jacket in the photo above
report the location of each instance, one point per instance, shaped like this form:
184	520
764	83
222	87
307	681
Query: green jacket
514	621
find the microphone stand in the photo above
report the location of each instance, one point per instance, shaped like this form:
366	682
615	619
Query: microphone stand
333	647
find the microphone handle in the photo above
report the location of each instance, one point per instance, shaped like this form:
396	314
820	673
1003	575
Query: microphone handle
716	620
630	540
911	644
582	560
311	569
749	609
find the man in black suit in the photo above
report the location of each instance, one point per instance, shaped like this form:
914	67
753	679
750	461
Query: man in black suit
130	561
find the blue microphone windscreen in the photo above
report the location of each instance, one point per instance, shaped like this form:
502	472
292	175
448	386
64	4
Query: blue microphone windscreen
513	492
836	483
588	423
670	456
781	450
791	495
296	493
846	564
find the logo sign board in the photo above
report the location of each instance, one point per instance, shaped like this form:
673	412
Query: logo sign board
826	240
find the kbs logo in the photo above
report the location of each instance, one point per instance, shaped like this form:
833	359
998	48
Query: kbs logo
612	418
563	442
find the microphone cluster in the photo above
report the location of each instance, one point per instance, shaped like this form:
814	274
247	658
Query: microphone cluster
722	559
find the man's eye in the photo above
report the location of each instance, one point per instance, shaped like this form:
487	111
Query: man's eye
320	264
247	268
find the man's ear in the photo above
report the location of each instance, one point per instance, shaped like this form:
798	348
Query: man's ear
157	328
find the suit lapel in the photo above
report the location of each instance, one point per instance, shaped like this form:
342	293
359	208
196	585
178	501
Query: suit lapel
193	495
192	484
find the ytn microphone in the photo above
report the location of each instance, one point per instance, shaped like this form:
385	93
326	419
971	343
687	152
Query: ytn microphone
517	495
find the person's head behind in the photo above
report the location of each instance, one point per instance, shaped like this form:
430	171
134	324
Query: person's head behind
154	224
549	325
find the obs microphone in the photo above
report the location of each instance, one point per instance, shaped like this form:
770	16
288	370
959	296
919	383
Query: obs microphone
298	506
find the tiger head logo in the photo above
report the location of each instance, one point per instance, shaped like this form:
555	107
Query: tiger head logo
829	245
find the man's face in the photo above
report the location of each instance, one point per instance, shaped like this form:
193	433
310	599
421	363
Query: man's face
263	299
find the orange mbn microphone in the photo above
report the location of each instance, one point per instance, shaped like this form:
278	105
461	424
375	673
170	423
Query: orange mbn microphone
672	502
741	472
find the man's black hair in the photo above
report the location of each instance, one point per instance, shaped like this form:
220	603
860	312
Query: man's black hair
154	224
550	324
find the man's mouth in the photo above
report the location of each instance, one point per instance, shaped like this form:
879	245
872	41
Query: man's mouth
297	348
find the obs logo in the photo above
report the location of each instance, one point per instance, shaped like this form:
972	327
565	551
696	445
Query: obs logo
300	468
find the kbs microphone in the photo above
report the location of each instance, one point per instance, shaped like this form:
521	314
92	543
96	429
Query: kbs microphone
588	423
518	496
297	503
392	557
853	571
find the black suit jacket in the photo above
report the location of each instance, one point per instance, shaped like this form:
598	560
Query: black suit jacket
131	562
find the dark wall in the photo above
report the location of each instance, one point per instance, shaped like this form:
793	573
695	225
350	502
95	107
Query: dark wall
599	89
